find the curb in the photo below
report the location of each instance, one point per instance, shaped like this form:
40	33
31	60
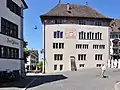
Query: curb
116	86
29	84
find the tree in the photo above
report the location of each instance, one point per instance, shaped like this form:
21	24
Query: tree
26	51
39	64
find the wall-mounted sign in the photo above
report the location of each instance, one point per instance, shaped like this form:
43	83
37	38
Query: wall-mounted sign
12	41
70	34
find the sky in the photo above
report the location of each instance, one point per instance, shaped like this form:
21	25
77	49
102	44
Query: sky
110	8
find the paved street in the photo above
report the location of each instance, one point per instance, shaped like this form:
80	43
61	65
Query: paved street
87	79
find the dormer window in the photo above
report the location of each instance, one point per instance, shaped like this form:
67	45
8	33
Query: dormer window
69	11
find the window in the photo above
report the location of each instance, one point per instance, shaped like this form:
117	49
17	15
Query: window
96	36
95	22
58	57
98	65
81	46
115	51
88	35
9	28
98	46
98	56
54	45
81	35
98	23
110	35
116	36
14	7
92	35
95	47
55	67
61	34
58	45
61	45
61	67
85	46
78	46
84	35
100	35
55	34
82	22
2	51
81	56
82	65
9	52
58	21
58	34
12	53
101	46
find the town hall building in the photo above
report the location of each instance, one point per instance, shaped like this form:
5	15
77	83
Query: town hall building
75	37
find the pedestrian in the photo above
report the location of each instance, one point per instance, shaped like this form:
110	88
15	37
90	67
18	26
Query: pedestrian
103	70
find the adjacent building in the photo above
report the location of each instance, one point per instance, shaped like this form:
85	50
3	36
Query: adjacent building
114	61
75	37
11	34
32	60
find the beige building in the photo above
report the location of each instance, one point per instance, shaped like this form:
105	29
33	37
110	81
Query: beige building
75	37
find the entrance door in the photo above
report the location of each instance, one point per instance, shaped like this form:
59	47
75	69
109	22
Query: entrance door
73	64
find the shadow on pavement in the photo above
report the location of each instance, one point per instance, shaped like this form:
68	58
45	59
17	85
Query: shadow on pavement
39	81
47	79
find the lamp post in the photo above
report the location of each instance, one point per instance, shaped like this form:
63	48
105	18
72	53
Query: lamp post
44	47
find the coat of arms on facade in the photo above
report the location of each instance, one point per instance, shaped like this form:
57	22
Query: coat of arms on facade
70	34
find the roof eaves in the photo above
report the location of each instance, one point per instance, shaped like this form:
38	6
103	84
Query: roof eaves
41	16
24	4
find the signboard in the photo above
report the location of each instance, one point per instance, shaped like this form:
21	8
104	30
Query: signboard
12	41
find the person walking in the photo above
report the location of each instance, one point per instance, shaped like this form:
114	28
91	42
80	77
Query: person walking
103	70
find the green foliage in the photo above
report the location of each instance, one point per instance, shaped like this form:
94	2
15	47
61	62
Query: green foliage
39	64
26	51
25	44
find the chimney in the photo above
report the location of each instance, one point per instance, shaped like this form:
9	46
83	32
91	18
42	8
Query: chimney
68	6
